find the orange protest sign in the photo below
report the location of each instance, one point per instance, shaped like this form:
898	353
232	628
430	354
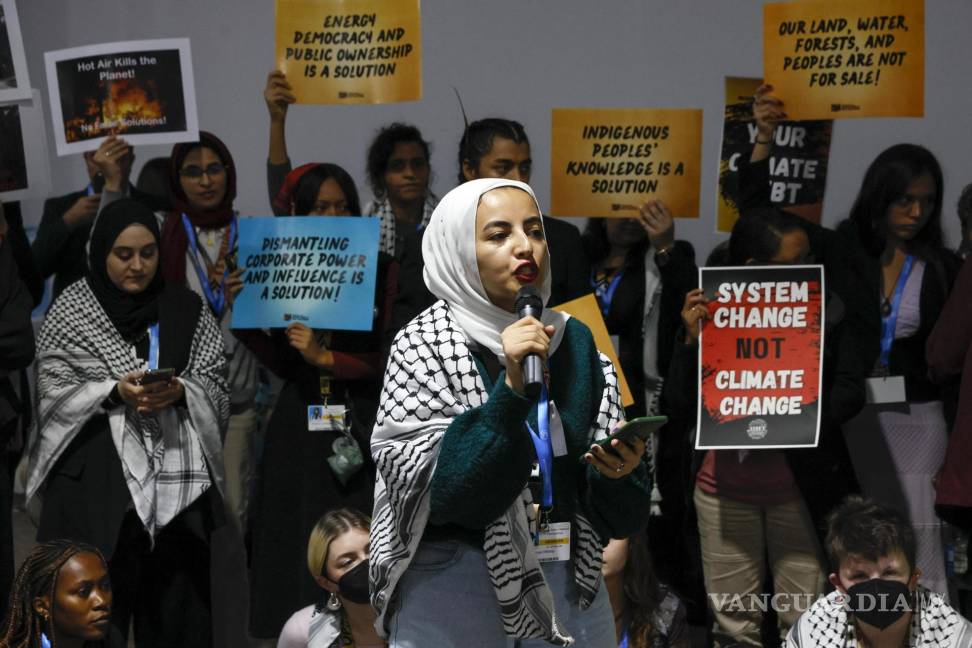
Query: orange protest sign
606	162
587	311
350	51
861	58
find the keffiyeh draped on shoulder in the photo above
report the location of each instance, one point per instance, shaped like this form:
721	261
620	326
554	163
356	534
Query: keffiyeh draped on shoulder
169	459
933	625
382	209
432	378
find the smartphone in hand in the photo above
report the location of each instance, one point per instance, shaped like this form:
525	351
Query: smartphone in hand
156	375
640	428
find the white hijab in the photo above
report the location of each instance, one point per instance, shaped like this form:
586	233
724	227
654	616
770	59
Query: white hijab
452	273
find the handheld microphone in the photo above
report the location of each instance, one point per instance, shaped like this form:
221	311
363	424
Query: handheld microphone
529	304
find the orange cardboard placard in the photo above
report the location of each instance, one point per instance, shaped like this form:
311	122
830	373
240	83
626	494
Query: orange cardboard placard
587	311
351	51
606	162
858	58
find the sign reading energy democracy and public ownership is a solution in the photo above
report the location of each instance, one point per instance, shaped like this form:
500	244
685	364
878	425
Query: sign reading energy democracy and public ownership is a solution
761	357
857	58
316	270
606	162
351	51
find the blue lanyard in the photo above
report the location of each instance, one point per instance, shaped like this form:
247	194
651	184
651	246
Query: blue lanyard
216	301
624	639
45	642
606	295
153	359
890	321
90	190
544	448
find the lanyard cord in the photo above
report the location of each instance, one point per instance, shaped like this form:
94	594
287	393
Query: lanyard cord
544	448
216	301
889	321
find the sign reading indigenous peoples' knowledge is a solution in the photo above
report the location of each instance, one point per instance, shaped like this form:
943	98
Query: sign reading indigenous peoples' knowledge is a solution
606	162
315	270
760	357
350	51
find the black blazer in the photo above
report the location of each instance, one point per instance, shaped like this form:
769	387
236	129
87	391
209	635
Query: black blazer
16	341
908	354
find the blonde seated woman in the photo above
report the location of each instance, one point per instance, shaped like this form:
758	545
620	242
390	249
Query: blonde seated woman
337	557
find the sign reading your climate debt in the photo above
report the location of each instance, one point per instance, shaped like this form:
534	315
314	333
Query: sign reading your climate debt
760	357
797	163
351	51
858	58
606	162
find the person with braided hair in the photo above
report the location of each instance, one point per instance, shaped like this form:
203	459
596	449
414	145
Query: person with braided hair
61	598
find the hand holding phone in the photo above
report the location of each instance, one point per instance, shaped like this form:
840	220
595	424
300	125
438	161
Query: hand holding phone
641	428
155	376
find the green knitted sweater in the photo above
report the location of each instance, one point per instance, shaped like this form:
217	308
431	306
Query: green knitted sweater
487	454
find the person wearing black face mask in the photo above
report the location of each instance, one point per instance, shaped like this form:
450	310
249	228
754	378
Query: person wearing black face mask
877	601
337	559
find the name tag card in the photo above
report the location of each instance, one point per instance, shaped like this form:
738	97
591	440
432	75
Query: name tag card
325	418
883	390
553	544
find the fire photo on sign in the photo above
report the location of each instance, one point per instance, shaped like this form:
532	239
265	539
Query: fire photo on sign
135	93
13	163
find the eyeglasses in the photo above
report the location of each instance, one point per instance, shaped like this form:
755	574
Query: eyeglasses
194	172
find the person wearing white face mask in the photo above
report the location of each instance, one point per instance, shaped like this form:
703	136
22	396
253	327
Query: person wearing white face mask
877	602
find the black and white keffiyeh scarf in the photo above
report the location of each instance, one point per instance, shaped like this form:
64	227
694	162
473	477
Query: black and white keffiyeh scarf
383	210
431	378
934	624
167	459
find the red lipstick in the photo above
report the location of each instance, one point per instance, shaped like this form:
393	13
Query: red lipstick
526	272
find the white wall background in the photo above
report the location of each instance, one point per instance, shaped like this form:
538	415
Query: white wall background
517	59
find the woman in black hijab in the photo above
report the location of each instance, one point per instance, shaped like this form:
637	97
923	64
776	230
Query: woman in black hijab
125	463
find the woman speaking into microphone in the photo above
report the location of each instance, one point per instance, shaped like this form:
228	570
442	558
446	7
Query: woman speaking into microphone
458	553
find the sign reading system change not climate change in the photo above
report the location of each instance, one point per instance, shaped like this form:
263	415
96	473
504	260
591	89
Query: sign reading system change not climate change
760	357
315	270
351	51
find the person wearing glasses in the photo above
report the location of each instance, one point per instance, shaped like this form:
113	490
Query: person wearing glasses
199	251
199	241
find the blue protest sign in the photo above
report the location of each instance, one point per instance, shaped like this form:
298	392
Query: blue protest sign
316	270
